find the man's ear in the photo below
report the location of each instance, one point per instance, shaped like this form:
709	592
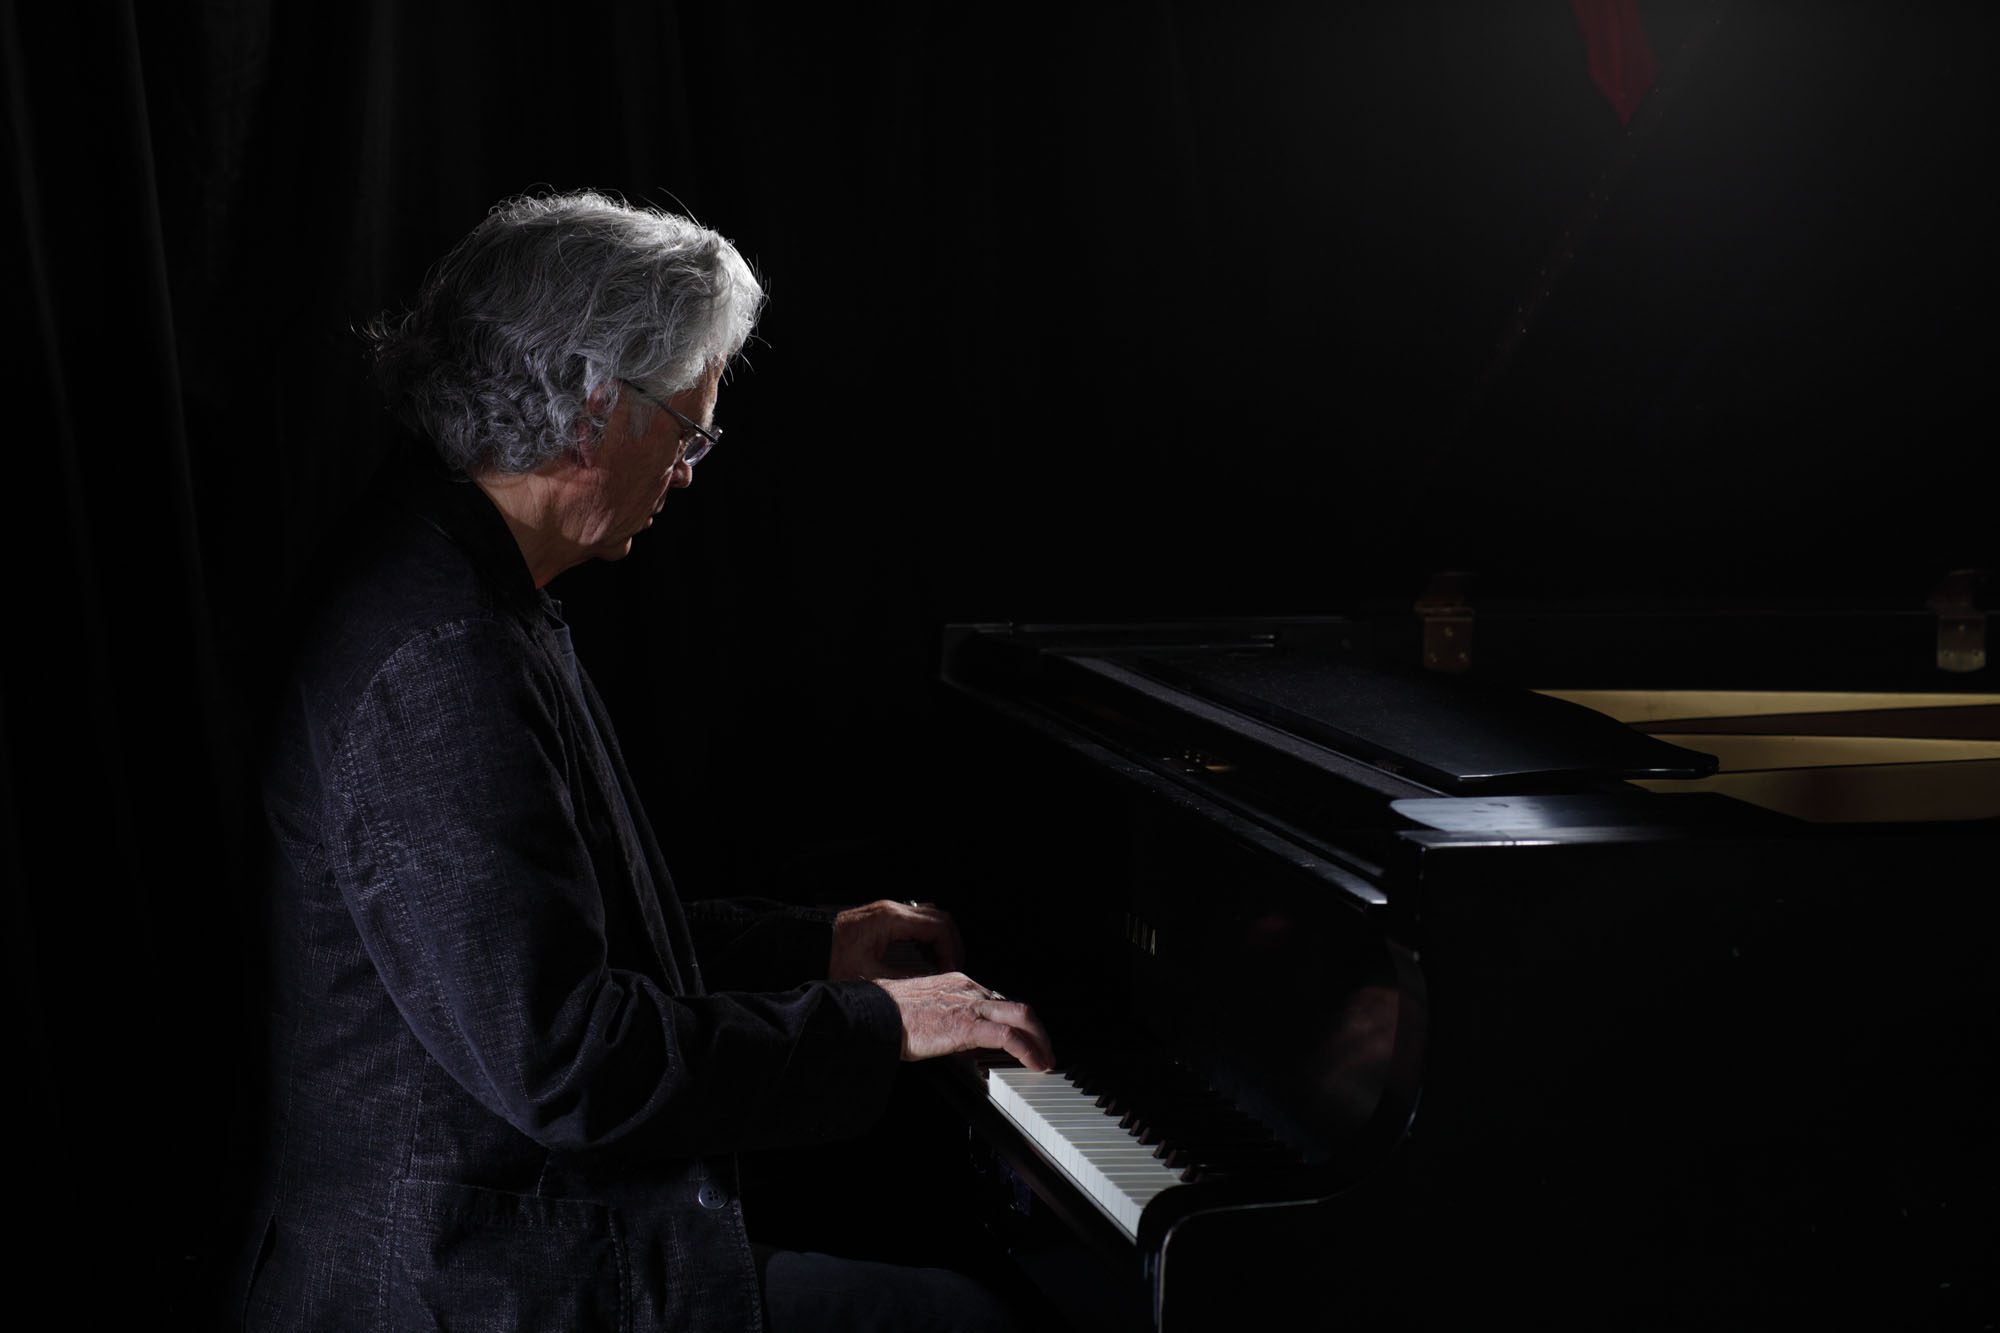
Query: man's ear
581	456
585	442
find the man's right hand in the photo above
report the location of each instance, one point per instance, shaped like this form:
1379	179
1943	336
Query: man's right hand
952	1012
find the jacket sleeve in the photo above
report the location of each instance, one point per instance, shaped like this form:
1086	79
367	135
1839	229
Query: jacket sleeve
759	943
452	834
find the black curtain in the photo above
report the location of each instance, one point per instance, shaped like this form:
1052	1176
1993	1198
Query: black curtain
118	796
1077	311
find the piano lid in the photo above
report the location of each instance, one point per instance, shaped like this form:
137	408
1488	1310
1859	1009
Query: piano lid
1451	733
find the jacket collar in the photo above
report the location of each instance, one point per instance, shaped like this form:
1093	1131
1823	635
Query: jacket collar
450	502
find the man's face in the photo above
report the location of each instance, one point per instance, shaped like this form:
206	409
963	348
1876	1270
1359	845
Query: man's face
634	467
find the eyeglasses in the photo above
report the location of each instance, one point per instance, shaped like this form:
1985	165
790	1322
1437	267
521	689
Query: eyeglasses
709	437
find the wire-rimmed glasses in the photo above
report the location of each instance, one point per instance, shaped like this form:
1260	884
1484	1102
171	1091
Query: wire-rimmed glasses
707	437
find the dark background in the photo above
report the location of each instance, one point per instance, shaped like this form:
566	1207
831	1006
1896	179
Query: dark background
1078	311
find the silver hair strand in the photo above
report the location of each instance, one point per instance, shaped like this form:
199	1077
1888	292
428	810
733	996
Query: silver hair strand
541	311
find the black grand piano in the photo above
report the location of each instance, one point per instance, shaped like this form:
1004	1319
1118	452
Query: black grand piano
1419	970
1603	937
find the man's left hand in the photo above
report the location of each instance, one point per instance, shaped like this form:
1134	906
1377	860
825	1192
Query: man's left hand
865	941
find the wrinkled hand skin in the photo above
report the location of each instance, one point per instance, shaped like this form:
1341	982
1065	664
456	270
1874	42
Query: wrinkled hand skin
861	935
951	1012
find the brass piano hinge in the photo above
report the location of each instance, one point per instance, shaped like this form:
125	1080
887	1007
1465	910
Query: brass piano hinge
1446	608
1961	640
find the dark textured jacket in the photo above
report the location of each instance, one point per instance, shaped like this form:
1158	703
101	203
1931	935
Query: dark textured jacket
503	1096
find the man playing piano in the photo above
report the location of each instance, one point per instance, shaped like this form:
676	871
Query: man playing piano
510	1071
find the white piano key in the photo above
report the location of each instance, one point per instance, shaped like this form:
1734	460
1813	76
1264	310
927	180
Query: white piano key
1108	1164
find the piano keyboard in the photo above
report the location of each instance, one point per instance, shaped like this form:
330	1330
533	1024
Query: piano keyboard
1106	1162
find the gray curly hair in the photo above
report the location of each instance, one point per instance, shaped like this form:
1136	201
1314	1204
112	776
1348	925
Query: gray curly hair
517	343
